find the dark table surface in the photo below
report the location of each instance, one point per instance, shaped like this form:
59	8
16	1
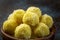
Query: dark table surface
7	6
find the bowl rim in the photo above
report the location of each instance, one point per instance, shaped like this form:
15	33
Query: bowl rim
49	36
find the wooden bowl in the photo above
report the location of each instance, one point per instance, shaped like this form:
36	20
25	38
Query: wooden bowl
6	36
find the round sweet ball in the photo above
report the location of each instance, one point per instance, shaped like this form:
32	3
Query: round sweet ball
48	20
35	10
17	15
31	18
42	30
11	16
23	31
9	26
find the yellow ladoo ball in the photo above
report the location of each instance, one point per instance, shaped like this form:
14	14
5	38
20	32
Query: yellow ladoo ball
48	20
34	10
23	31
42	30
11	16
9	26
17	15
31	19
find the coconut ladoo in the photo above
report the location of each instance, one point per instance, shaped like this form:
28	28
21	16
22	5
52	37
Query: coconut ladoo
48	20
31	18
9	26
17	15
23	31
42	30
35	10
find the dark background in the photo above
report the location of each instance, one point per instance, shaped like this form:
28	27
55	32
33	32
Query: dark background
51	7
